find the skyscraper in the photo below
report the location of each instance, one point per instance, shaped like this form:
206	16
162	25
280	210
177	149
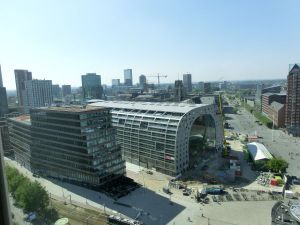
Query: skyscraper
56	91
3	97
115	82
293	100
1	81
91	86
187	82
66	90
3	102
143	81
179	91
21	76
5	137
207	88
128	77
38	93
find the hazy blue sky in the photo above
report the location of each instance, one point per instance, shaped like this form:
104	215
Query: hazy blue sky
234	39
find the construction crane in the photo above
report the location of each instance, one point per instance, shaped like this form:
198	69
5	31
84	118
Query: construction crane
158	77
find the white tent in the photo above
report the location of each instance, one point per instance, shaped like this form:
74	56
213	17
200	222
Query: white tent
258	151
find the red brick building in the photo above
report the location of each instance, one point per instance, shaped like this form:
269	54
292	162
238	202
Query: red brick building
277	114
273	106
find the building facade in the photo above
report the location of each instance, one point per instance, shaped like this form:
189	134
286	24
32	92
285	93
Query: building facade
76	144
3	102
66	90
261	89
3	97
115	82
21	76
179	91
20	139
56	91
207	88
268	98
156	135
38	93
277	114
128	77
187	82
91	86
293	100
143	82
5	137
1	80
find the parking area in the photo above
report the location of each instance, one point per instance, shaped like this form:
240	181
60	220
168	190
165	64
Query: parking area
277	141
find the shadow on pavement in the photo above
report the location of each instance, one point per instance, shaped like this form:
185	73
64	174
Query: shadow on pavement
150	207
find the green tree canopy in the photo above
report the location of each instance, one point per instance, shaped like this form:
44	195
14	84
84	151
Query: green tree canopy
29	195
277	165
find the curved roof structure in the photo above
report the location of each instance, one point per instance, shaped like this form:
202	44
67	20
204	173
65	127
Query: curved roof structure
258	151
156	135
157	106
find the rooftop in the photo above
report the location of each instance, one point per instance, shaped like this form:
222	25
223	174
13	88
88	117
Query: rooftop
286	213
148	106
258	151
23	118
276	105
270	93
75	109
295	211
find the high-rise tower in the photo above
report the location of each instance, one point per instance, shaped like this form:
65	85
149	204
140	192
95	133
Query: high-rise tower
21	76
292	121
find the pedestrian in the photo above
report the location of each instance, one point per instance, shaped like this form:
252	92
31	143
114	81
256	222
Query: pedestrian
202	215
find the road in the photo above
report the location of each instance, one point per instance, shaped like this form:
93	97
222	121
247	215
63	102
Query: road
277	142
154	208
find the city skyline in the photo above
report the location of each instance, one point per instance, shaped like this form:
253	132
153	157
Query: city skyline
236	40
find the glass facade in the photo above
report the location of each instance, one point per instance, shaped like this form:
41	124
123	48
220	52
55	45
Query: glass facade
91	86
20	139
76	144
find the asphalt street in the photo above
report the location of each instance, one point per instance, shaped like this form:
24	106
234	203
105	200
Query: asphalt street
277	142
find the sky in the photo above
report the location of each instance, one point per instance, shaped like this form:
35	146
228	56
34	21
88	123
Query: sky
212	39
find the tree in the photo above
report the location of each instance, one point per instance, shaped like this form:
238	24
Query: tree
30	196
50	215
277	165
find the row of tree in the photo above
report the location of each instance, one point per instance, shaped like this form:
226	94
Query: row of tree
29	195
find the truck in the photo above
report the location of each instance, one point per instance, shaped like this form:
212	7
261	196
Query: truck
210	190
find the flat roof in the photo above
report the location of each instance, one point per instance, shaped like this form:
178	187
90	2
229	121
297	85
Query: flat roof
71	108
148	106
271	93
258	151
23	118
295	210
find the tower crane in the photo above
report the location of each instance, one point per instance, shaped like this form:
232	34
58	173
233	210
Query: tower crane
158	77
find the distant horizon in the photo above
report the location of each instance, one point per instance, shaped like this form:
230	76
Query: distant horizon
235	40
162	83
